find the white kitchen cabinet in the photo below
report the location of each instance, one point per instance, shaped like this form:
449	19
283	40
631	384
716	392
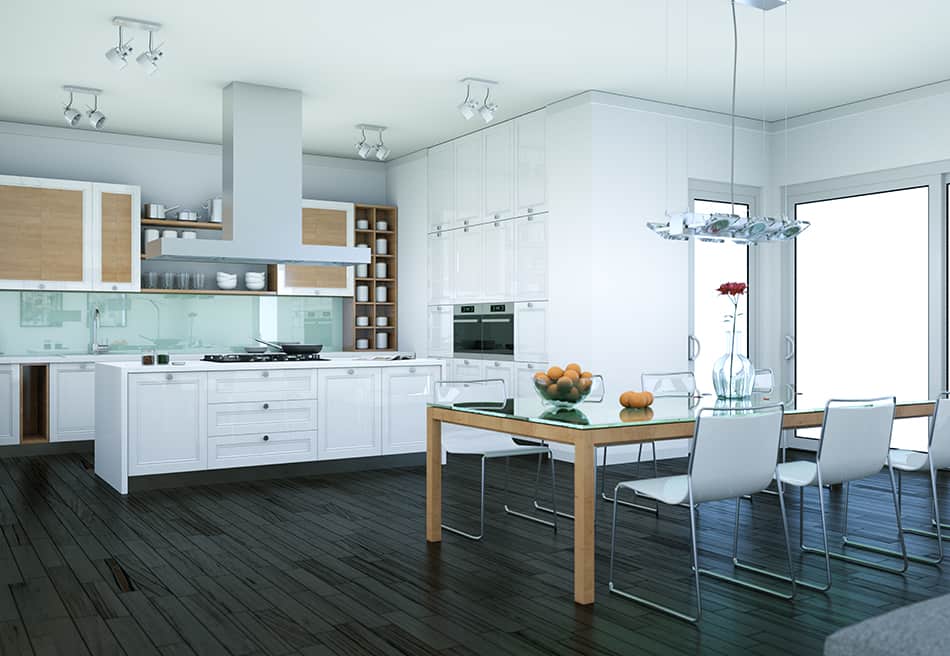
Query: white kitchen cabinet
501	370
441	183
261	417
469	264
470	180
441	273
530	168
72	407
261	385
348	413
524	378
441	344
499	260
261	449
167	423
531	332
405	393
116	238
499	172
9	404
468	369
531	258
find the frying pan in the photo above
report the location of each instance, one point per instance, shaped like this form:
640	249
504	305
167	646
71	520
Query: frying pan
293	349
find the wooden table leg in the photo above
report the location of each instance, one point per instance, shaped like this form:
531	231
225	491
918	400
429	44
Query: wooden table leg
433	478
583	520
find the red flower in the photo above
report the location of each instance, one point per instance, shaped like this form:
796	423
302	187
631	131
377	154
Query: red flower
732	288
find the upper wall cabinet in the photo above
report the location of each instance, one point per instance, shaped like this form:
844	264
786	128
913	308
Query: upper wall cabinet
469	180
323	223
441	182
531	195
500	172
68	235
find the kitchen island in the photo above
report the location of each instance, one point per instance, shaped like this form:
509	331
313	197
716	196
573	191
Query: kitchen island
195	415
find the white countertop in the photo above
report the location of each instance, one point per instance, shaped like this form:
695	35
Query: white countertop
347	361
64	358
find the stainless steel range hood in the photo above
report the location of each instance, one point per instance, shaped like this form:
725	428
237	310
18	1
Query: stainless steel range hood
263	170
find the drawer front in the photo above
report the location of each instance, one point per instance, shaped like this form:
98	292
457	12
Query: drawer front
262	385
261	449
261	417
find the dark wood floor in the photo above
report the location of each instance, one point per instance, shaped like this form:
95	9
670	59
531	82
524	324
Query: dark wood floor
338	564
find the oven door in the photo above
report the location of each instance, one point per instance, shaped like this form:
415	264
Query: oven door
498	336
467	335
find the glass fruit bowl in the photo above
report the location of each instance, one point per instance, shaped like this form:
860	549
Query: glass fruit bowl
568	387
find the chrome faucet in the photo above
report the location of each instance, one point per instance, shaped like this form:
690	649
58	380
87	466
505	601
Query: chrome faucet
95	347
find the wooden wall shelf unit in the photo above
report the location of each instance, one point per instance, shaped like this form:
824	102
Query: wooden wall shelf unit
373	309
208	292
34	403
169	223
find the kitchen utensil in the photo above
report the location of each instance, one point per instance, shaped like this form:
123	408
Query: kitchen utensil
162	342
362	270
381	294
382	225
157	210
151	234
215	209
382	246
382	321
381	269
187	215
255	349
164	358
362	293
382	340
227	284
182	278
362	224
168	280
189	234
170	234
148	359
255	286
362	344
292	349
150	280
197	281
362	321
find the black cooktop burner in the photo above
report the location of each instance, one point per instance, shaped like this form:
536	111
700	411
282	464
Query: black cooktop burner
263	357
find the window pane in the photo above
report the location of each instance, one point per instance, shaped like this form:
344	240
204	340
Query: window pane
861	303
714	264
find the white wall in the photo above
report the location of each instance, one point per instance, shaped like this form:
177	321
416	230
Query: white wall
170	172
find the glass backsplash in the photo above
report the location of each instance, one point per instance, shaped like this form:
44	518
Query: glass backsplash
37	323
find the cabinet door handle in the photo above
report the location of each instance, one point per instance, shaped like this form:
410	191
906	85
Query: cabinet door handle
265	374
41	286
169	377
412	370
115	287
465	222
530	305
266	438
349	371
530	218
267	406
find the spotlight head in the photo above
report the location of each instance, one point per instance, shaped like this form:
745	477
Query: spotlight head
118	55
382	152
487	111
97	119
363	148
149	60
71	115
468	108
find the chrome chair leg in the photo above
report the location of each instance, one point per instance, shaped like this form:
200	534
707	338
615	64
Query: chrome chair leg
760	570
938	534
541	508
481	513
530	518
629	504
641	600
824	539
846	541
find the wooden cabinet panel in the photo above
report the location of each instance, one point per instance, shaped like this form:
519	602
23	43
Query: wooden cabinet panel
43	234
321	227
116	232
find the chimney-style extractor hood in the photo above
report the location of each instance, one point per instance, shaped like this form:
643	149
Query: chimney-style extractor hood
263	170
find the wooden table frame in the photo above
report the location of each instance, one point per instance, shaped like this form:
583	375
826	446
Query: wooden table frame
584	441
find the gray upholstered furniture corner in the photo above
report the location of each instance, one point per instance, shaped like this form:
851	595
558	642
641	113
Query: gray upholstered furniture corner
916	630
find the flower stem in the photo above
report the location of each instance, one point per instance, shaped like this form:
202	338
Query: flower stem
732	345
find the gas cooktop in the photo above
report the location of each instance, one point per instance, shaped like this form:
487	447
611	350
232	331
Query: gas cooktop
263	357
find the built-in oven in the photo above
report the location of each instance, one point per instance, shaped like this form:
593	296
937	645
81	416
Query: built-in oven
485	330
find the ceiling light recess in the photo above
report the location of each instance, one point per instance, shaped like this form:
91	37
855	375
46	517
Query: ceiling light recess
719	227
96	118
364	149
469	107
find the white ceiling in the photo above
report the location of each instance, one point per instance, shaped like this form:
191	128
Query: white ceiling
397	63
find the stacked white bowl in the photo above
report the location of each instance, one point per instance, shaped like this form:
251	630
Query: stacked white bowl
227	280
255	280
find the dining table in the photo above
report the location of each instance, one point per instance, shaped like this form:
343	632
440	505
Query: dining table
585	428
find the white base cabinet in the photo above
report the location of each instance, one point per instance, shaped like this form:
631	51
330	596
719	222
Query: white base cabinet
441	331
261	448
72	407
524	378
531	332
405	392
167	423
349	417
9	404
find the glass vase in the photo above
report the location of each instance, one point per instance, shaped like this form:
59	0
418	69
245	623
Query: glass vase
733	373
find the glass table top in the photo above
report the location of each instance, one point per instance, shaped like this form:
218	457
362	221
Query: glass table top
609	414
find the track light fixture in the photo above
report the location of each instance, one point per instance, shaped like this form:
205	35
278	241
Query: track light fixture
469	107
118	55
364	149
96	118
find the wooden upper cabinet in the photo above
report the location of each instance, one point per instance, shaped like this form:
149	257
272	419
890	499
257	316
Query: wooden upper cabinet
117	232
323	223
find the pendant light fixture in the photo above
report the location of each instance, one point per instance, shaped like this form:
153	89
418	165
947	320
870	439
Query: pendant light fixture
722	227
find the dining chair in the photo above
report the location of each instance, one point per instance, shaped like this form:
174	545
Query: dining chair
680	384
936	456
489	394
734	454
854	444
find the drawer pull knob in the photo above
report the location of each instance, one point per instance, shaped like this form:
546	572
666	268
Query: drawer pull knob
266	438
266	406
168	377
349	371
266	374
412	370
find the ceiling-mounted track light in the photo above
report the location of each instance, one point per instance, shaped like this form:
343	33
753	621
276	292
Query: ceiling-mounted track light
96	118
469	107
150	58
118	55
364	149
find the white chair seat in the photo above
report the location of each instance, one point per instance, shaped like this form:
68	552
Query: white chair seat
671	490
489	445
906	460
798	473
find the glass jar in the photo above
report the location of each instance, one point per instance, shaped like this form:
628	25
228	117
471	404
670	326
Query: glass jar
733	373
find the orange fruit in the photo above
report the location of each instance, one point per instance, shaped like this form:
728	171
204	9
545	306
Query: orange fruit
541	378
649	396
586	374
625	399
584	384
555	372
564	384
574	367
552	391
574	394
573	375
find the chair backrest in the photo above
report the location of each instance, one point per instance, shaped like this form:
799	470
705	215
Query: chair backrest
855	438
678	383
764	381
940	433
734	452
488	393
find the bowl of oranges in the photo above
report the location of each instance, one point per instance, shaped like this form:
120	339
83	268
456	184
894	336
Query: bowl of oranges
567	387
